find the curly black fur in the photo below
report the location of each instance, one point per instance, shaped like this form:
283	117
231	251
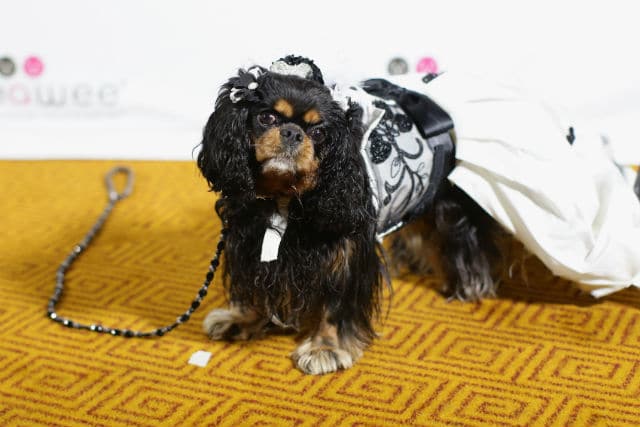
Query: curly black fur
225	155
298	287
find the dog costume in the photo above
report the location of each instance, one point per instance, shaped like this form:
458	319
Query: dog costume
407	148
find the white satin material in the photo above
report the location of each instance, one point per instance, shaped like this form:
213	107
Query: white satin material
568	204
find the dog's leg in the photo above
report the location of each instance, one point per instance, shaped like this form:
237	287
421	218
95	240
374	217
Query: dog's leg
327	349
467	245
234	324
337	334
413	249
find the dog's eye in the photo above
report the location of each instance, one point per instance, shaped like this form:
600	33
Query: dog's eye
317	134
267	119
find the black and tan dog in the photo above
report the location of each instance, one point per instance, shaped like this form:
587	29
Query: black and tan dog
279	148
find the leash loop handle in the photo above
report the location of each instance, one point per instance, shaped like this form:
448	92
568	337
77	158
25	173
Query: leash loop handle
113	193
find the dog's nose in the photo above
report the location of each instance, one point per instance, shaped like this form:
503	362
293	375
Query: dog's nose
291	135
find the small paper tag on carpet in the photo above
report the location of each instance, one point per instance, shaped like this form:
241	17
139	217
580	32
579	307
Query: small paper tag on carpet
200	358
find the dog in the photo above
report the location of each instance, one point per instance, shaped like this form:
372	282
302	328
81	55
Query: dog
303	225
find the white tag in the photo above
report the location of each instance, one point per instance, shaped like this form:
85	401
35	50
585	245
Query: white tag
200	358
272	238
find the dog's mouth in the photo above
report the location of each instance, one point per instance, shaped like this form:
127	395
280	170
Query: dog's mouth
278	176
281	165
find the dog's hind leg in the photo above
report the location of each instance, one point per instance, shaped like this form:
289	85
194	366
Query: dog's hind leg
466	237
412	249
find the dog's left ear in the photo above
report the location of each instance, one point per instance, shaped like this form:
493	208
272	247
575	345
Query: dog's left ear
224	156
341	201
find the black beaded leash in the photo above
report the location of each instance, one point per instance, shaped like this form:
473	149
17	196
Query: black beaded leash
115	197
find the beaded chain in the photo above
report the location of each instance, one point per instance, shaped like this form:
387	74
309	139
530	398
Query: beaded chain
115	197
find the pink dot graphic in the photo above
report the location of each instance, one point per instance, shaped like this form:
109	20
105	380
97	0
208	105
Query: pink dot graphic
427	65
33	66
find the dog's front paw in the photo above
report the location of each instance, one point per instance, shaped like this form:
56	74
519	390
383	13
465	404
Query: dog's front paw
316	359
218	322
233	324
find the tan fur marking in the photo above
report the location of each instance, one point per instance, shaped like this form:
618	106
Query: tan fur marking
274	184
312	116
268	145
307	166
324	351
300	177
414	249
341	257
327	334
283	107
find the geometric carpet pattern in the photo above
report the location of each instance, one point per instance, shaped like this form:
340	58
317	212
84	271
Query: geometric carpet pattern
541	353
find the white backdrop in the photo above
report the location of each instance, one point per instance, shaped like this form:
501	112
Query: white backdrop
137	79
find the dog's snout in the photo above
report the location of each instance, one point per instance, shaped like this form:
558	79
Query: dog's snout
291	135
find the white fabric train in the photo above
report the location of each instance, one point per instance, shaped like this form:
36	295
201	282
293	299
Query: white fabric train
568	204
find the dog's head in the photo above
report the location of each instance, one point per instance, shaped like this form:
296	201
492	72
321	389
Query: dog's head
275	134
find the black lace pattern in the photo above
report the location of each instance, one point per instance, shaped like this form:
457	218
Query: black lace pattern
404	172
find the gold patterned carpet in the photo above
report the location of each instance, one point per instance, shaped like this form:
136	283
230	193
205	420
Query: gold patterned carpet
540	354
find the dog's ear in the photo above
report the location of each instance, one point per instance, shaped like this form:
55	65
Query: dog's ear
341	202
224	155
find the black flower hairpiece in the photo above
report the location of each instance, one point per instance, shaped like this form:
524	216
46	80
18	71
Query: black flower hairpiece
245	87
